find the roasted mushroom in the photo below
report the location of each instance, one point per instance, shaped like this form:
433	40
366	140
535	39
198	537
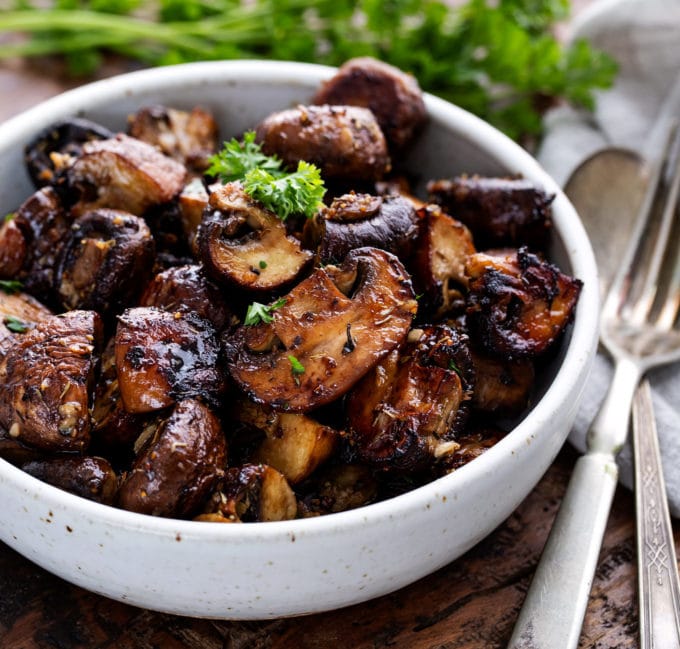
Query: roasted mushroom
252	492
164	357
178	466
471	445
13	248
357	220
46	382
393	96
518	305
498	211
502	385
343	141
45	226
54	148
105	262
333	327
189	137
339	488
294	444
438	263
122	173
245	245
405	413
19	313
88	477
186	288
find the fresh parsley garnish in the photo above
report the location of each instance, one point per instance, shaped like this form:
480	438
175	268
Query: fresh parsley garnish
15	325
258	312
296	367
10	285
300	192
262	264
9	217
237	158
454	368
263	178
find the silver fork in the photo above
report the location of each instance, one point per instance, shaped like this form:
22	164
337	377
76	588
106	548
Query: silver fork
639	328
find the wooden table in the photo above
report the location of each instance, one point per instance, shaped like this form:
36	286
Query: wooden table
471	603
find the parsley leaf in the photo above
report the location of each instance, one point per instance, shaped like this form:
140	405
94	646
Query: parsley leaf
237	158
258	312
15	325
300	192
296	367
9	217
10	285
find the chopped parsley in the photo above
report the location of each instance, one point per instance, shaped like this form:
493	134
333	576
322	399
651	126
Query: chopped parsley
15	325
10	285
258	312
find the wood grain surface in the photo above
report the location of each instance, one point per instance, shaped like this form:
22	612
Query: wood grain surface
471	603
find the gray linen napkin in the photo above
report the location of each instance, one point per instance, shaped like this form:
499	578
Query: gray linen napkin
644	37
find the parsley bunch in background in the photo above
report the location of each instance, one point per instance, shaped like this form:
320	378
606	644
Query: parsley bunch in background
498	59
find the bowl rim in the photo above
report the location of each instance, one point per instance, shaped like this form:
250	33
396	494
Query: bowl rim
568	379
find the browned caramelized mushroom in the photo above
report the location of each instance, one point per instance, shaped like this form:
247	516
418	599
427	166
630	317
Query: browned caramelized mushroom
192	201
245	245
186	288
343	141
498	211
53	148
13	248
87	477
19	313
518	305
178	466
294	444
253	492
46	381
333	327
393	96
105	262
189	137
338	489
45	225
163	357
438	263
122	173
502	385
471	445
404	413
357	220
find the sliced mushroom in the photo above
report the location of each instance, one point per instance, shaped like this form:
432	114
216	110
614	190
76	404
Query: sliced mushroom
438	263
122	173
46	382
333	327
254	492
88	477
498	211
245	245
45	225
502	385
393	96
179	466
404	414
189	137
192	202
13	248
357	220
471	445
19	313
186	288
294	444
343	141
164	357
105	262
518	305
56	146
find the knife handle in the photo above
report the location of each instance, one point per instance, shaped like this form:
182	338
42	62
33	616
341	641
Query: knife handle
658	588
553	611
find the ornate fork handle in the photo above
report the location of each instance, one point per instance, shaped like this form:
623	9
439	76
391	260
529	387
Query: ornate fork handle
658	586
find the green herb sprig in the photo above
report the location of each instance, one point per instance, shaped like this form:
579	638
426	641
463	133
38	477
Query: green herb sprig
263	178
15	325
258	313
498	59
10	285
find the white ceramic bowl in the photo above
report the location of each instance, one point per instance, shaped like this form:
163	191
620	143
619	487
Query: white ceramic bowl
269	570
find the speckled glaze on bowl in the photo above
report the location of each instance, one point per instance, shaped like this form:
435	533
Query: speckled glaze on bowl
269	570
